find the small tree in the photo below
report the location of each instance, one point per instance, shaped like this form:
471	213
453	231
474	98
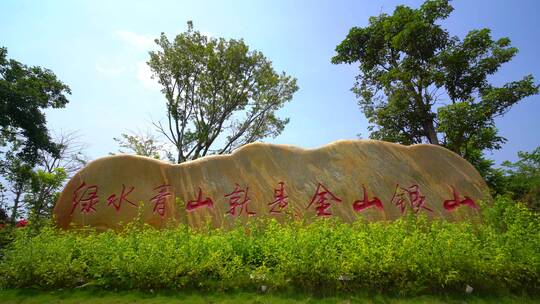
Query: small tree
50	174
17	174
219	94
144	144
409	63
43	193
523	178
34	186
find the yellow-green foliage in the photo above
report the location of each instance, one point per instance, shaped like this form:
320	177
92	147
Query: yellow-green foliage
408	256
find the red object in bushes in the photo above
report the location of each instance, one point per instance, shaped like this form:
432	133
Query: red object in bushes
21	223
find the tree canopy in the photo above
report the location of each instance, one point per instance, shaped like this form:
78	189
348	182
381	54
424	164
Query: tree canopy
24	93
219	94
419	84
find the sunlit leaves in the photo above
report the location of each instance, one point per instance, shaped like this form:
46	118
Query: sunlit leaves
419	84
220	94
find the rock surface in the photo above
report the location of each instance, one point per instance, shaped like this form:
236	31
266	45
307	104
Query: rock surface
347	179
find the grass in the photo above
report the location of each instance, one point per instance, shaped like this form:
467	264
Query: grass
26	296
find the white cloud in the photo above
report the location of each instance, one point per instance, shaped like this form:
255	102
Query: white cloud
110	71
140	41
144	75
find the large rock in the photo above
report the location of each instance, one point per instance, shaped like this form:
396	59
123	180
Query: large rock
347	179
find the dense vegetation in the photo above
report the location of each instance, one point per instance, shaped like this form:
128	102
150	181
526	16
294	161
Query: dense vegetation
418	83
404	58
408	256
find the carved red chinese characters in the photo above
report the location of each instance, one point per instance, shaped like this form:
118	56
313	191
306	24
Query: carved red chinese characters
159	199
321	199
116	202
86	197
239	198
452	204
280	199
365	203
410	195
199	202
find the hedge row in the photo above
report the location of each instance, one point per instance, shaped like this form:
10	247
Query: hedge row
408	256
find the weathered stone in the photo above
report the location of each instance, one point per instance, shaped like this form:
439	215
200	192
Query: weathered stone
349	179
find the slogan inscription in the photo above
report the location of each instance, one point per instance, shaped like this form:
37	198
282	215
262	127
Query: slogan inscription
86	199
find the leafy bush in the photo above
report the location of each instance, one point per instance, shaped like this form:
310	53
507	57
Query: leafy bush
408	256
522	178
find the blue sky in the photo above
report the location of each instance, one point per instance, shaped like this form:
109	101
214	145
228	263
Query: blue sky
99	49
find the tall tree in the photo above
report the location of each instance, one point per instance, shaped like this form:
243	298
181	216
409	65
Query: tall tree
27	151
219	94
418	84
24	93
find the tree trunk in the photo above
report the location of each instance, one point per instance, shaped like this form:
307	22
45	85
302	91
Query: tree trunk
181	157
424	109
16	204
431	133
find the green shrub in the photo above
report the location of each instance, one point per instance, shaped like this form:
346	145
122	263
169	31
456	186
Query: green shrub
409	256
